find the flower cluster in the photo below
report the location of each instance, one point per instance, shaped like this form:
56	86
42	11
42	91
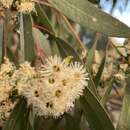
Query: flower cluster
24	6
52	89
6	3
6	107
6	71
59	84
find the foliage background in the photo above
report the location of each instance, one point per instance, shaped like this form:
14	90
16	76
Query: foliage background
58	27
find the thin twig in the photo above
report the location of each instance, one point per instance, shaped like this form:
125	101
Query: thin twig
43	28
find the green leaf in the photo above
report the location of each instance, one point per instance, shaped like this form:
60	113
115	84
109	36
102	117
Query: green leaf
42	19
26	38
15	121
31	118
77	113
71	124
8	30
8	36
92	85
107	92
42	123
1	40
89	63
42	41
95	114
73	120
91	56
66	50
124	120
86	14
100	71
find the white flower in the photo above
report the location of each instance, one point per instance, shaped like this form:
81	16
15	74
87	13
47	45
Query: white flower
6	106
58	86
4	92
6	3
53	66
7	68
23	75
78	74
51	90
26	7
6	71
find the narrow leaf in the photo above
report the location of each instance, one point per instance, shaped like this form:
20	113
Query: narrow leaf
40	39
97	118
42	19
100	71
107	92
70	123
66	49
29	48
124	120
86	14
15	120
91	56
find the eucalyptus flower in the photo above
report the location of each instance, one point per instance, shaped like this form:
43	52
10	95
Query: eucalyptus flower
26	6
58	86
6	107
6	3
51	90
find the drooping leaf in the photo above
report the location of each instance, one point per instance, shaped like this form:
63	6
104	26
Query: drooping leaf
77	113
41	39
89	63
100	71
26	38
66	49
86	14
91	56
124	120
8	30
96	116
8	36
70	123
31	118
41	123
15	121
107	92
73	120
42	19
